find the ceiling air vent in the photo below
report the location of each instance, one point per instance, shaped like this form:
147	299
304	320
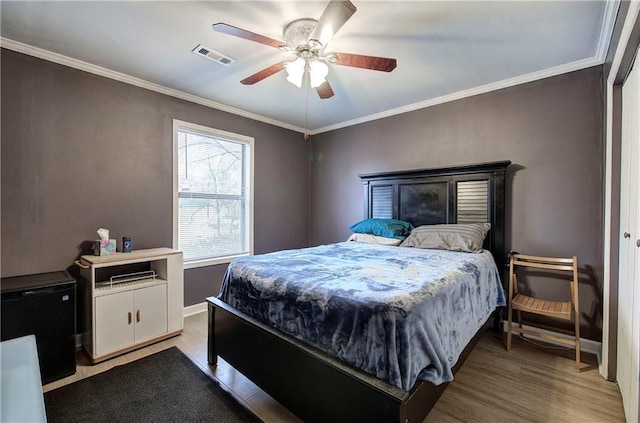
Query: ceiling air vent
211	54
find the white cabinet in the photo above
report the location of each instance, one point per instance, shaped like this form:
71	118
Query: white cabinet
130	317
131	300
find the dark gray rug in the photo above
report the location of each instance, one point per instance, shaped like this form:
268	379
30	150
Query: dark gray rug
164	387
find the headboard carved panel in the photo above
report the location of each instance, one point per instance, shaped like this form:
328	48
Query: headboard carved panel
460	194
425	202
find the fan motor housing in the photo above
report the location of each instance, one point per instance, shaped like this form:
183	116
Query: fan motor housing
297	33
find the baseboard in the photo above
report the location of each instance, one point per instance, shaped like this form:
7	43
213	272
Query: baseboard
194	309
586	345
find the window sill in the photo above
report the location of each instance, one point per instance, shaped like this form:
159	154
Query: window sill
212	261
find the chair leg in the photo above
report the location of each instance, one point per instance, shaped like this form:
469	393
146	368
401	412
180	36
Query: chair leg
520	322
509	315
577	320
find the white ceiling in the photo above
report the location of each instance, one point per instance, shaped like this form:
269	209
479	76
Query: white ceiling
445	50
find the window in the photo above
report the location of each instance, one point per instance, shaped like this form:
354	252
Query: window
213	190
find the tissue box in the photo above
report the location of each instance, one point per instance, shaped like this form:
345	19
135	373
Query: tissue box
104	247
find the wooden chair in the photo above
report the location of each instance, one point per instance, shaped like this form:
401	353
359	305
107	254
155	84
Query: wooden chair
560	309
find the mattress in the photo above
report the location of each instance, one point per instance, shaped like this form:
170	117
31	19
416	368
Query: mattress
400	314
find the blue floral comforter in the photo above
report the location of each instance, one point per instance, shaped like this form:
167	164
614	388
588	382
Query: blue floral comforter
401	314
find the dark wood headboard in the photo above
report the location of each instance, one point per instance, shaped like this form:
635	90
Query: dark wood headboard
458	194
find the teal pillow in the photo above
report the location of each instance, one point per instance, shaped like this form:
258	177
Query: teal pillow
390	228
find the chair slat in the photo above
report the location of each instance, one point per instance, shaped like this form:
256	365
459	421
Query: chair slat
545	259
542	265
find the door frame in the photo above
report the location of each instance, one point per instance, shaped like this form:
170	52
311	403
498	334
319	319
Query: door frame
620	63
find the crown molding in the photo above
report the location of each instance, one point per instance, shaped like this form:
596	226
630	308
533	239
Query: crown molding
606	30
131	80
505	83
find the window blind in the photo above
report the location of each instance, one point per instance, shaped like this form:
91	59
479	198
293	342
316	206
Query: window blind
213	195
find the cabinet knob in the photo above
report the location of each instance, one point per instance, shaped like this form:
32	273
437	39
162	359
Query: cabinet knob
638	243
137	315
626	235
130	317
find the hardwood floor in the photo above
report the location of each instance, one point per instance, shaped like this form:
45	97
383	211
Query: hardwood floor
529	384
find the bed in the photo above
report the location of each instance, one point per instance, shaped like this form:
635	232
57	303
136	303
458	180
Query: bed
317	373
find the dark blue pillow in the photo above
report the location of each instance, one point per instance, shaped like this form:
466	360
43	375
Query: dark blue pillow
390	228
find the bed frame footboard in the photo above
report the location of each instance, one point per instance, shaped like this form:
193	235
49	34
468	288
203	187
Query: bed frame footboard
311	384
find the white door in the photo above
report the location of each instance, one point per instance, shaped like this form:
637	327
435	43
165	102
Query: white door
151	312
114	322
628	355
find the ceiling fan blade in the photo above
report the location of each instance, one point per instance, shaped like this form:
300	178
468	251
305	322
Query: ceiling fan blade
334	16
264	73
247	35
324	90
366	62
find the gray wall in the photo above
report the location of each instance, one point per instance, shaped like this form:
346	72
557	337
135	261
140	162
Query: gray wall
81	152
552	130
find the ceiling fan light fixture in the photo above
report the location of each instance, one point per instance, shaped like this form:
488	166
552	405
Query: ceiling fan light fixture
297	81
318	71
295	71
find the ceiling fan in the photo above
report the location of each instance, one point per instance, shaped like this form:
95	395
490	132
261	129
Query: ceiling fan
307	39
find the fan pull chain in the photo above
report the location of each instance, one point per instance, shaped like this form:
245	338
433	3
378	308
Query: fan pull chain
306	108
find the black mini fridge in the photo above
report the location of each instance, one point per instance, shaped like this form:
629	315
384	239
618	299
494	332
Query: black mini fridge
44	305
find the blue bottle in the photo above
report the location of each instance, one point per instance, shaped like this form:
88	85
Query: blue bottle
126	244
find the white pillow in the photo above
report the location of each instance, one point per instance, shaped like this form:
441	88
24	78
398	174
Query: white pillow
455	237
374	239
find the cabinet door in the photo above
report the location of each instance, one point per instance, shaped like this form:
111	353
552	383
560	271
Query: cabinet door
150	312
114	322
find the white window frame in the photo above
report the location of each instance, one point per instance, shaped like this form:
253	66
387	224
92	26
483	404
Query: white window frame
180	124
